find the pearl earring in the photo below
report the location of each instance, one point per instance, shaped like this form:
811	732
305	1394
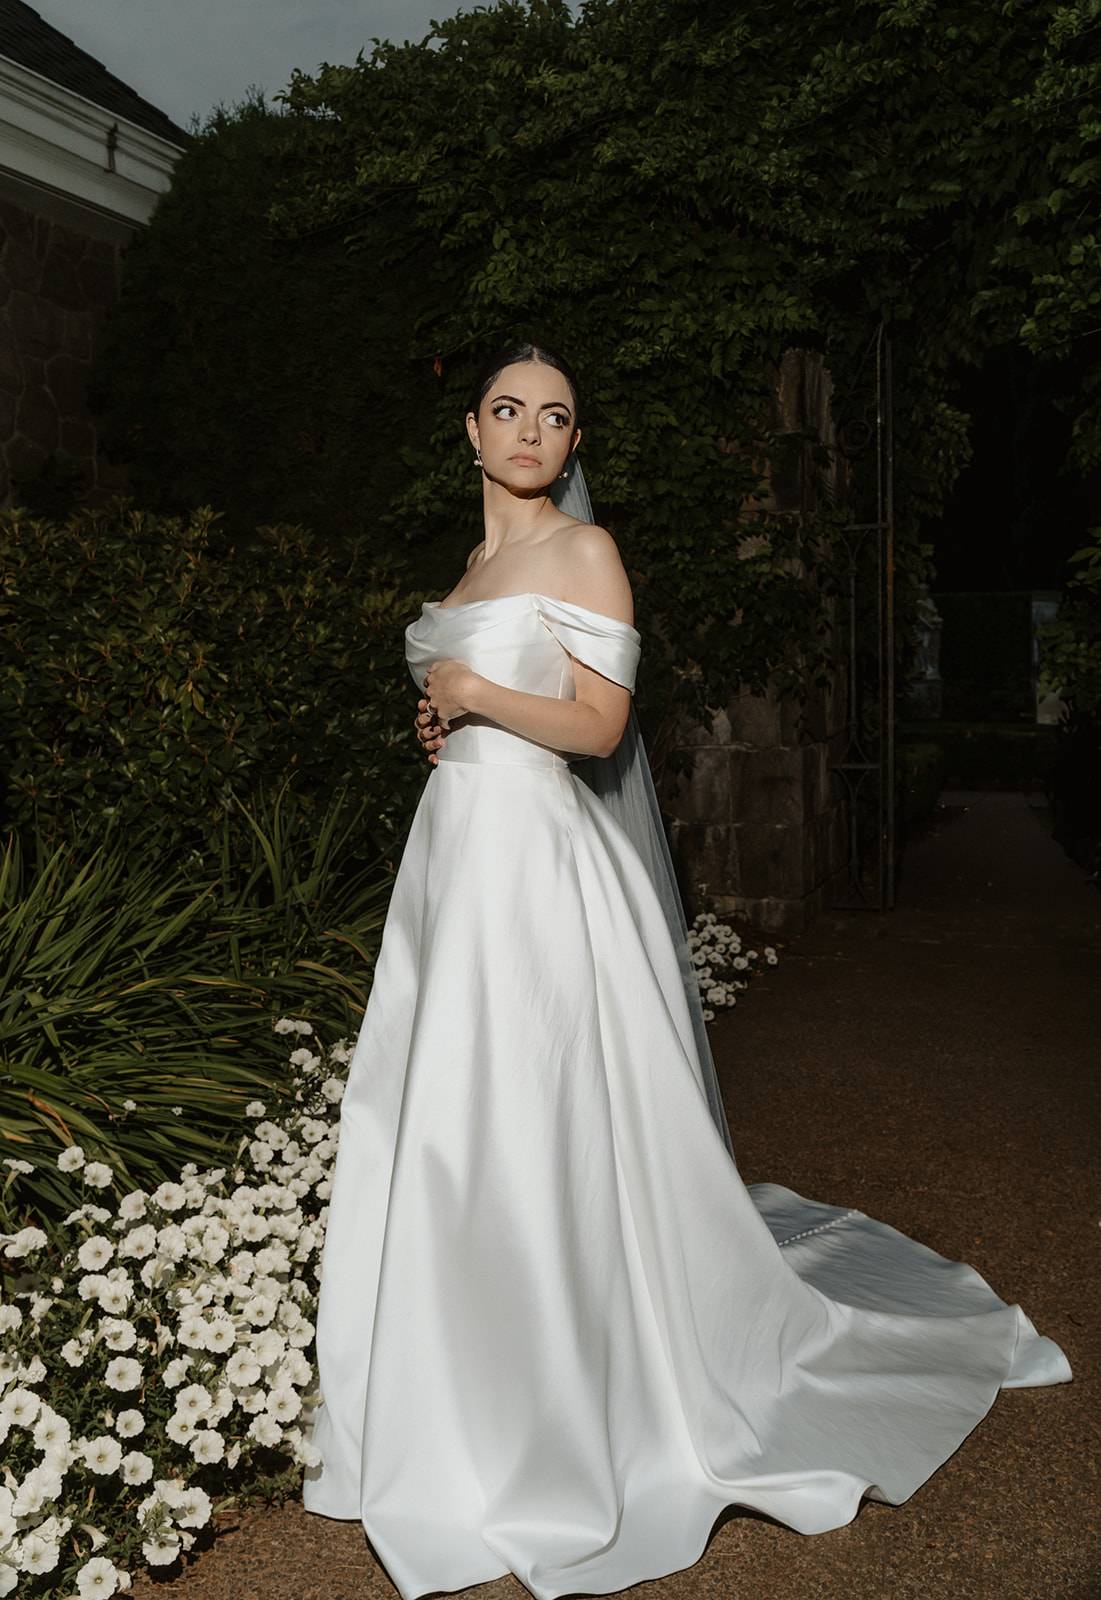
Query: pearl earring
477	455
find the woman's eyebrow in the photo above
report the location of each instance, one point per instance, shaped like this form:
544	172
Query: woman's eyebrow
559	405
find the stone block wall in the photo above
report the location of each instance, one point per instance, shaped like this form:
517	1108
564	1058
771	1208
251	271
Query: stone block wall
58	278
759	826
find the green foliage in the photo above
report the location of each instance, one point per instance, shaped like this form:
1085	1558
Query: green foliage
1070	646
123	977
248	371
154	664
676	194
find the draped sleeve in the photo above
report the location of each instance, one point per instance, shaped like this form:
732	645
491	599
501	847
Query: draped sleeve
609	646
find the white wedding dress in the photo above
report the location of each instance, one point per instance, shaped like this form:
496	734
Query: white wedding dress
557	1334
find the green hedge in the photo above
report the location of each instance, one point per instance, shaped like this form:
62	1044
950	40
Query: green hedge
152	663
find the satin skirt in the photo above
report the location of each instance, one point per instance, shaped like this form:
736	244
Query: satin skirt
557	1334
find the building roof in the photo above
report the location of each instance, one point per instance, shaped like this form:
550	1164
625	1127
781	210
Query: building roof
28	39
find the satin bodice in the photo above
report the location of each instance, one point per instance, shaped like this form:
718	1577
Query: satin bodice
523	641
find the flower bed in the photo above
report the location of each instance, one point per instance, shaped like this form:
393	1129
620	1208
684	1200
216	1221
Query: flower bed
194	1304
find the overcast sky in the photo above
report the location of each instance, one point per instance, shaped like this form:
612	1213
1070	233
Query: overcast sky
187	55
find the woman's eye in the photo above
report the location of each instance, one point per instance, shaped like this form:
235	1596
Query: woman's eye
559	418
500	409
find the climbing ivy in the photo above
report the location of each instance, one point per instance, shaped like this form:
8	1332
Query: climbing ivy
675	193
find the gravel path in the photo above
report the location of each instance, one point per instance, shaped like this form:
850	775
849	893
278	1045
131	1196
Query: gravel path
938	1067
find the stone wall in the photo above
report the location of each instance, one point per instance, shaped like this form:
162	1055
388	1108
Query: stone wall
760	825
59	274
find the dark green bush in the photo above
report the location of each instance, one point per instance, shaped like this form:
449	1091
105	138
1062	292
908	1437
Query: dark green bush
154	664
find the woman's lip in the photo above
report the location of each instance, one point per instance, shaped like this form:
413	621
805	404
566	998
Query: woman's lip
525	461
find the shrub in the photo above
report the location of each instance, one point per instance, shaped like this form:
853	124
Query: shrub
153	664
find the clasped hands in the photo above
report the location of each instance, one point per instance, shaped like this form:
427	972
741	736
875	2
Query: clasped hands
447	687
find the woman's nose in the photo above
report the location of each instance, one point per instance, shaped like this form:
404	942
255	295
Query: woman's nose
529	433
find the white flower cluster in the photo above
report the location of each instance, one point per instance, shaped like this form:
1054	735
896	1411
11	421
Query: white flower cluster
195	1302
719	959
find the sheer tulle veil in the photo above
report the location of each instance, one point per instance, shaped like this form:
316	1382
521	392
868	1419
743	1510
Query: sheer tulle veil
625	785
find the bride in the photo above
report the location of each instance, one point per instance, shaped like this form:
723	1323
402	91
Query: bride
557	1334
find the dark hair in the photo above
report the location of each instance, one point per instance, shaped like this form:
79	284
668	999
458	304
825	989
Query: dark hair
509	357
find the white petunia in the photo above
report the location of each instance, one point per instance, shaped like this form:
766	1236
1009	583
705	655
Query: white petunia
180	1427
135	1467
207	1446
118	1333
97	1577
37	1554
103	1453
99	1174
129	1423
170	1196
193	1507
23	1242
20	1407
70	1158
133	1205
123	1373
194	1401
161	1549
95	1252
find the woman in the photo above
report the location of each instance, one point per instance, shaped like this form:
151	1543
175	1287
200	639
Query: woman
557	1335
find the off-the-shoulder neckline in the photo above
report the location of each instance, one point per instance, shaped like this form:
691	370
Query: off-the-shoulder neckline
526	594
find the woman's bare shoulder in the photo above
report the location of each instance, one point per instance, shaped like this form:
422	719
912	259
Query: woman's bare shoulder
474	554
597	577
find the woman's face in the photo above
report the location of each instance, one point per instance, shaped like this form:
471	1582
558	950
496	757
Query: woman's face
525	427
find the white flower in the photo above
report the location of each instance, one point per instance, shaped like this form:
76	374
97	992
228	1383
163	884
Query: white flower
129	1105
176	1371
20	1407
51	1430
72	1351
193	1401
170	1196
97	1577
207	1445
264	1429
38	1554
23	1242
161	1549
256	1108
283	1404
133	1205
333	1089
139	1242
221	1335
114	1295
242	1367
136	1467
95	1252
177	1111
123	1373
193	1507
118	1333
129	1423
179	1427
17	1165
70	1158
103	1453
99	1174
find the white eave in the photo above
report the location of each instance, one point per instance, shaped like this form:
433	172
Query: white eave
67	145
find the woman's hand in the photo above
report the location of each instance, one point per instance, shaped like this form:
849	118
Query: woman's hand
429	731
448	686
